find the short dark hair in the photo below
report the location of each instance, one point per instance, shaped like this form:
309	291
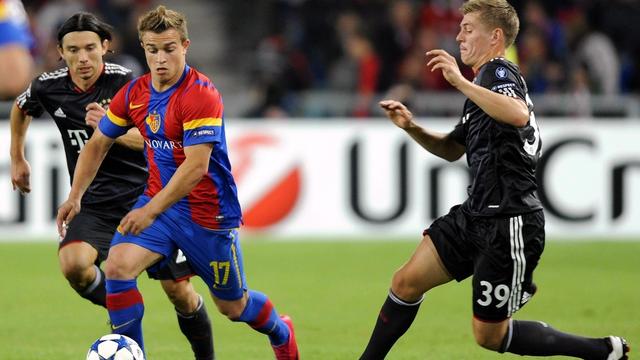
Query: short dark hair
84	21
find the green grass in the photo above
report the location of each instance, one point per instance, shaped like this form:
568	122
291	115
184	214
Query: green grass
333	291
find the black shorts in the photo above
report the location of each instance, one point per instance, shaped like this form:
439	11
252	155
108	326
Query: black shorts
500	252
98	231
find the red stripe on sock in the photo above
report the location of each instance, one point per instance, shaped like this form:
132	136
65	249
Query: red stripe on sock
263	316
123	300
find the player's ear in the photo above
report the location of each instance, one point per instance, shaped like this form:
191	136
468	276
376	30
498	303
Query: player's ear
497	35
60	51
185	44
105	46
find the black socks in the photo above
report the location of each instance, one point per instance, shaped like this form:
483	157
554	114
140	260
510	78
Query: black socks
394	319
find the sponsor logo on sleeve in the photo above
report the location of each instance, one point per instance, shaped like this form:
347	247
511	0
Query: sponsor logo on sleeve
501	72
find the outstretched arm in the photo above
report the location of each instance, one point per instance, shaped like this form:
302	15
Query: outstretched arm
20	168
186	177
89	162
500	107
439	144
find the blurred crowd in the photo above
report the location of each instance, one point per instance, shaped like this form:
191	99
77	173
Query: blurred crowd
369	47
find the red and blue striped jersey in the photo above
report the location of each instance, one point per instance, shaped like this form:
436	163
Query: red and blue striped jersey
188	113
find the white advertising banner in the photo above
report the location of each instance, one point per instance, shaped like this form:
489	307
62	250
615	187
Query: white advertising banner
367	179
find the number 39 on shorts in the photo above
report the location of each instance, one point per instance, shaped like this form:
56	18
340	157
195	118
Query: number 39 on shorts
490	295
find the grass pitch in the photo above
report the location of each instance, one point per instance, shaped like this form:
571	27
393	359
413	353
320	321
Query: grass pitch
332	290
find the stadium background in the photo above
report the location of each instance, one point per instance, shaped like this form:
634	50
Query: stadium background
335	197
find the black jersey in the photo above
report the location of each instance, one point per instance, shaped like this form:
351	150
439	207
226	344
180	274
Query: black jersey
122	175
502	157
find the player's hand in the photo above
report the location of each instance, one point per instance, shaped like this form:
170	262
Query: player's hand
66	212
95	112
136	221
20	175
444	61
398	113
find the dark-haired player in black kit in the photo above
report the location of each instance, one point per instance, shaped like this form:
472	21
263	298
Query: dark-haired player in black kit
75	96
497	234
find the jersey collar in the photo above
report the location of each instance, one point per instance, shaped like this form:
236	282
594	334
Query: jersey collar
174	86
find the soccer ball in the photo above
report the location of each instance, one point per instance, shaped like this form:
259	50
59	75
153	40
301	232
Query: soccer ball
115	347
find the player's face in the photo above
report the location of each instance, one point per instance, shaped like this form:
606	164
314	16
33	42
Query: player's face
83	52
474	40
166	56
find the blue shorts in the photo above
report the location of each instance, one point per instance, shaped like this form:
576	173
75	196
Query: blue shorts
214	255
12	33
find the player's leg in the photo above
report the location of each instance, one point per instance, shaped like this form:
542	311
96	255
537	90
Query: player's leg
189	305
125	262
536	338
16	71
440	257
421	273
17	63
86	244
220	266
496	300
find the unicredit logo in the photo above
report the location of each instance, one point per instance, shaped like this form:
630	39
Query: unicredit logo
269	179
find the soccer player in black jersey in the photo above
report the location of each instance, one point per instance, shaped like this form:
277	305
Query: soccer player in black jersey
497	234
75	96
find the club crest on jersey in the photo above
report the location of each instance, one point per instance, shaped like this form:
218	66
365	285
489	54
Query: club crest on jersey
154	120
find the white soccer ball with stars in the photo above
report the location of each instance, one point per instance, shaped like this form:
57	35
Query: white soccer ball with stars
115	347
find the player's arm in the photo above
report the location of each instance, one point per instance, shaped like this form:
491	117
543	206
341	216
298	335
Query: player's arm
89	161
20	168
186	177
132	139
439	144
500	107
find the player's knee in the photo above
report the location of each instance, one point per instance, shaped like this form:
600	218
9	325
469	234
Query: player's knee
232	312
116	270
182	295
231	309
78	274
403	287
488	340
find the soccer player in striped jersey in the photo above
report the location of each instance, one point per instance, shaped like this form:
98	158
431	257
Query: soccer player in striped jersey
87	83
190	201
497	234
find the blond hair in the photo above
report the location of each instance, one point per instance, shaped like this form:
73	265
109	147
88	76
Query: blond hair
161	19
496	14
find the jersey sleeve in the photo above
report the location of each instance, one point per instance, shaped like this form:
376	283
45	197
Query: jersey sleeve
458	133
500	78
202	111
116	122
29	100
